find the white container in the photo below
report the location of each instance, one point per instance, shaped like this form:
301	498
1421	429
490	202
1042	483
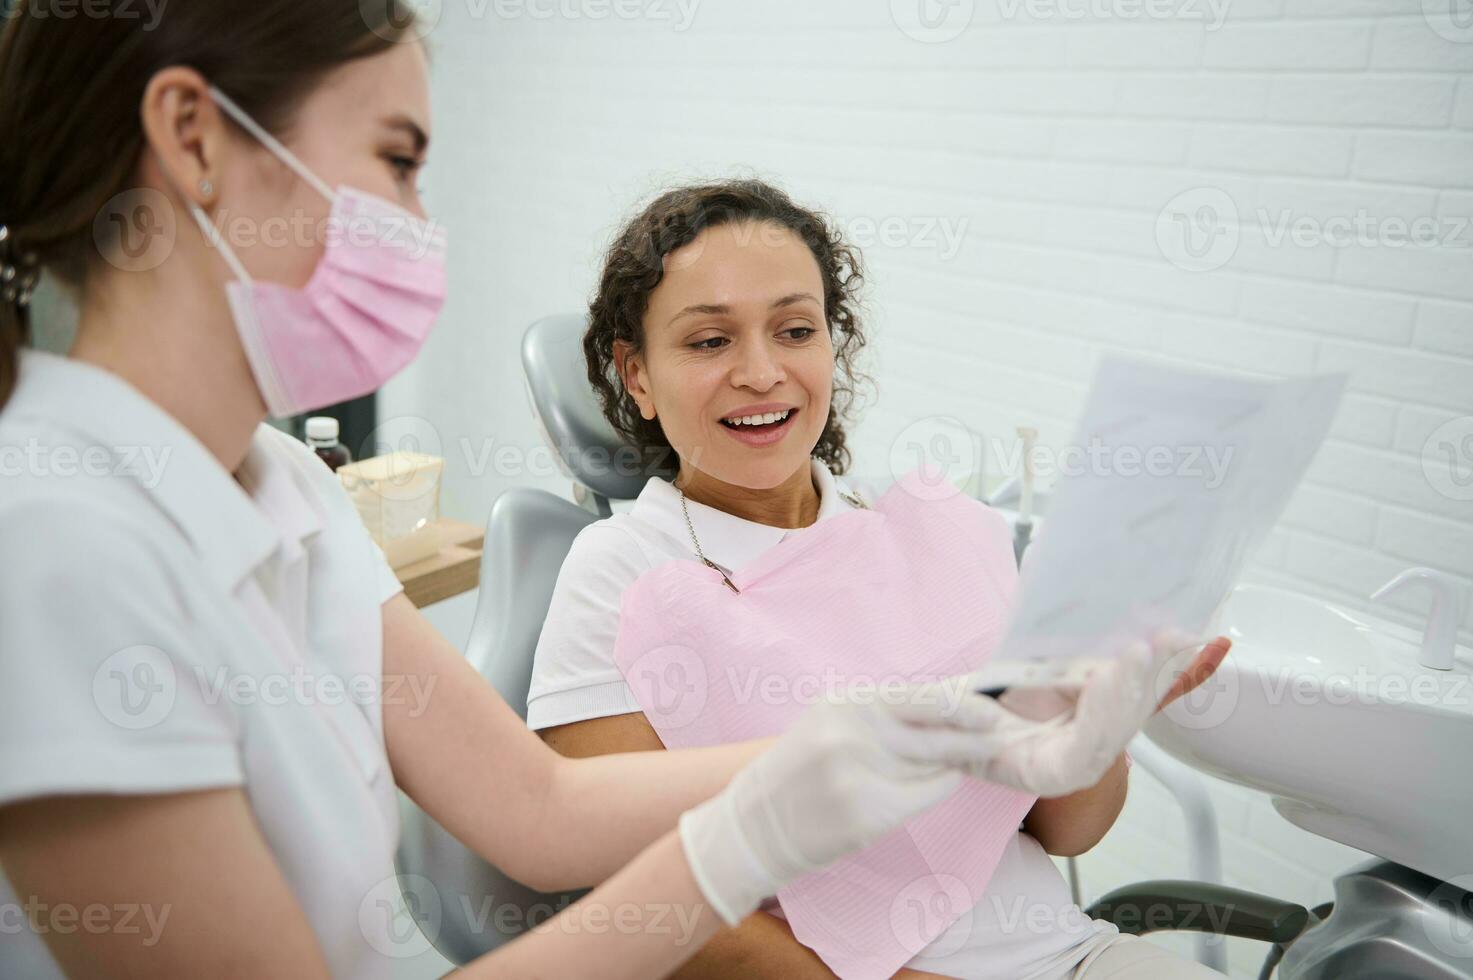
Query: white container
398	498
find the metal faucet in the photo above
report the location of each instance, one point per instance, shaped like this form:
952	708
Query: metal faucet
1440	638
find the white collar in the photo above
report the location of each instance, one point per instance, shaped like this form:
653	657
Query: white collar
233	527
728	540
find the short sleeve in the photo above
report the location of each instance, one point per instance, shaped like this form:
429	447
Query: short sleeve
341	511
574	676
105	667
386	581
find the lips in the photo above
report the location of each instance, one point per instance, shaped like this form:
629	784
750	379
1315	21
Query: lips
760	428
757	419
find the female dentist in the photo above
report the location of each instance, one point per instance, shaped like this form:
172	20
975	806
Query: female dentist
210	682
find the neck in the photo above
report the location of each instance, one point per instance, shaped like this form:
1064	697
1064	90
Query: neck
181	353
791	504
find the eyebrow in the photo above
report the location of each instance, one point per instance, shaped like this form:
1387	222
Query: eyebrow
415	131
707	309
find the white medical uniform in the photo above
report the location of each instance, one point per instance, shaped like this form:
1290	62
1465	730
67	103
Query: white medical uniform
1025	927
166	628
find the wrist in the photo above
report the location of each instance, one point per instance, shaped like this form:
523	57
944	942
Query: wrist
726	868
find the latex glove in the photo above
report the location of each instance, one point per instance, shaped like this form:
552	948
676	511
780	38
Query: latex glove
847	773
843	776
1064	737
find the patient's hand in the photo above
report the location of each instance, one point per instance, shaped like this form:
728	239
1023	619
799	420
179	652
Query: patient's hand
1206	664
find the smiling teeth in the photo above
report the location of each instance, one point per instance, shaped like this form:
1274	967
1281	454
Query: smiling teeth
766	419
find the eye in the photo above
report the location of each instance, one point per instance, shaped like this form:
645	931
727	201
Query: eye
710	343
404	167
802	332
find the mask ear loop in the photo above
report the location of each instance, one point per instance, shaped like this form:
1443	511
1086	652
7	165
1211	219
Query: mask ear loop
241	118
213	236
271	143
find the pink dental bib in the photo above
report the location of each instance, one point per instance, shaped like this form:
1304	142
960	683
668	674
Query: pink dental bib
916	589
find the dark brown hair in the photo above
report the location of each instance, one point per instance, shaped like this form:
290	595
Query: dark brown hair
70	131
635	265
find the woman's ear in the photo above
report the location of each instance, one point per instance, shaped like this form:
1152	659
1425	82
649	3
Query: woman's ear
632	372
184	132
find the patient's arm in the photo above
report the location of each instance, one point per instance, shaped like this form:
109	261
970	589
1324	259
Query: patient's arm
1070	825
762	945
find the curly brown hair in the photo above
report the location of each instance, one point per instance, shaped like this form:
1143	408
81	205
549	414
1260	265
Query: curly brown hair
635	265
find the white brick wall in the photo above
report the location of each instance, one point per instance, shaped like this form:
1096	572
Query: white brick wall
1052	143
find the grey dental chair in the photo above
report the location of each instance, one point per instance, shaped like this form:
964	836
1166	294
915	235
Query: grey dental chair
474	908
467	908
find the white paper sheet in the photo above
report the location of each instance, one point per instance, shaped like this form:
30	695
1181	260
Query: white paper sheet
1174	476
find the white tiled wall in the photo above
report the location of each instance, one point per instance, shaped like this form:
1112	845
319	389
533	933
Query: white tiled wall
1016	188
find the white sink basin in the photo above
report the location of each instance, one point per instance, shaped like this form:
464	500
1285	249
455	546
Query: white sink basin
1333	716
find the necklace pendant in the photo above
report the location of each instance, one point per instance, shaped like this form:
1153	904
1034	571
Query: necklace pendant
724	577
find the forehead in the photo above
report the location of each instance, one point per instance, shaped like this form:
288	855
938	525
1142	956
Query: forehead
733	262
393	82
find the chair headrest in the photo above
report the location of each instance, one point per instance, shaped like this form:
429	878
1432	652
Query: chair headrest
587	447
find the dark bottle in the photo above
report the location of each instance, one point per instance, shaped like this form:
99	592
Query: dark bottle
322	437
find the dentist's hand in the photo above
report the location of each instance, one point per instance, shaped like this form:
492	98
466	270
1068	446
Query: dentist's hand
1062	738
843	776
848	773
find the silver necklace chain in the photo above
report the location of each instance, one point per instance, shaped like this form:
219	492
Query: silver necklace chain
852	499
684	509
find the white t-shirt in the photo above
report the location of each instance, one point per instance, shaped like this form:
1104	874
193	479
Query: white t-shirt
165	628
1025	927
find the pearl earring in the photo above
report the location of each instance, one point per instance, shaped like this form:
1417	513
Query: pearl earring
206	188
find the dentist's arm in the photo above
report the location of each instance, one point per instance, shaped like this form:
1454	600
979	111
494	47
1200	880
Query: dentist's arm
201	887
199	861
466	758
761	945
210	889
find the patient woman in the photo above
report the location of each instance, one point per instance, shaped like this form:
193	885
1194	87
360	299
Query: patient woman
725	327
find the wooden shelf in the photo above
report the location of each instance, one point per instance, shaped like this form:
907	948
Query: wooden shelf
454	570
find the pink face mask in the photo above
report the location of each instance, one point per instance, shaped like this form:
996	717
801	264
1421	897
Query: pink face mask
363	315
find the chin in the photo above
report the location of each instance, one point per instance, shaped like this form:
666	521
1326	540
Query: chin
758	474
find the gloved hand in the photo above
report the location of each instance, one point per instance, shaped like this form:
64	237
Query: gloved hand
847	773
1065	736
843	776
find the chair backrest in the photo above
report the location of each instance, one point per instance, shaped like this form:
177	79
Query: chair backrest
528	534
571	418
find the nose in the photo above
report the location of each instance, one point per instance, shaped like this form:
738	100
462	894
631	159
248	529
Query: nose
758	367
